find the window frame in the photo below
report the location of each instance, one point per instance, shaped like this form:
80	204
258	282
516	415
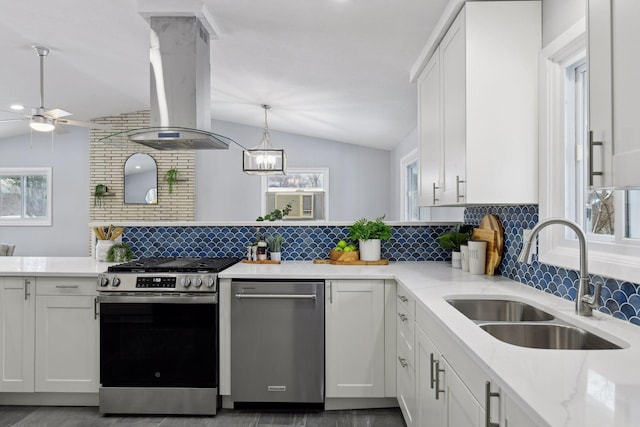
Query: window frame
35	222
618	259
325	188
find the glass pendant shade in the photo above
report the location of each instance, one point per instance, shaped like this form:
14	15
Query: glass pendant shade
264	159
41	124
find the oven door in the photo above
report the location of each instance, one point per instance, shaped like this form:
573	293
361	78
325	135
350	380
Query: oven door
158	341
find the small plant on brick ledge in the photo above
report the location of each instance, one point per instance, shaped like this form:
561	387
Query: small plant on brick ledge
171	176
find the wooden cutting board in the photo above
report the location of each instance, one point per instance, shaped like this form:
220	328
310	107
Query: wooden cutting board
491	231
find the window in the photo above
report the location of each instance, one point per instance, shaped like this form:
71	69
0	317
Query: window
609	218
306	189
25	196
409	209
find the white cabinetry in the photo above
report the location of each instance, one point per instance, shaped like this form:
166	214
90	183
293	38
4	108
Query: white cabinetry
355	350
406	371
66	336
478	113
613	93
17	308
48	335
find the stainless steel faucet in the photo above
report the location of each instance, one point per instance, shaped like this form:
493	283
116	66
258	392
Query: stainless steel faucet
585	302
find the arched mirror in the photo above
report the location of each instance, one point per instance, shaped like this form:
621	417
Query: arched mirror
140	179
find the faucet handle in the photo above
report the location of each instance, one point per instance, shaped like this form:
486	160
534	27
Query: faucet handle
593	301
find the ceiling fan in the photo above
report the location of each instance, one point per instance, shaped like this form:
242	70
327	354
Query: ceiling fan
43	120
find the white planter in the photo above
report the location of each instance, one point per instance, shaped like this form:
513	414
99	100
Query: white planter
456	259
275	256
370	250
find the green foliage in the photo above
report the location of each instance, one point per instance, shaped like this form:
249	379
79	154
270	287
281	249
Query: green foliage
276	214
171	177
98	194
275	243
458	235
364	229
112	252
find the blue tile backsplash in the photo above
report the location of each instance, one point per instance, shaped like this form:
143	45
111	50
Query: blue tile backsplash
619	298
409	243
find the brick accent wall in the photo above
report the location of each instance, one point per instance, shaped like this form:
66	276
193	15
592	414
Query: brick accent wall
107	158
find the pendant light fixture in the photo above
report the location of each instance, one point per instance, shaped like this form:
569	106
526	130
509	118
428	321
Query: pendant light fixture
264	159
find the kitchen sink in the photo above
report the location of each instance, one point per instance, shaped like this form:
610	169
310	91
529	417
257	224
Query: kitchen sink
495	310
547	336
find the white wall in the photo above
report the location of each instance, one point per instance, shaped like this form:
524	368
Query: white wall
359	176
558	16
69	160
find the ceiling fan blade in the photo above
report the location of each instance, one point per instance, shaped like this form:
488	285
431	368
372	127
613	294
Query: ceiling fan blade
56	113
89	125
16	113
12	120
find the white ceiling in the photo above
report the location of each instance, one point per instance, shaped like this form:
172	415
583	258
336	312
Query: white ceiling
333	69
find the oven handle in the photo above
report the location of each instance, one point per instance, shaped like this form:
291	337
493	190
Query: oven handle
275	296
158	299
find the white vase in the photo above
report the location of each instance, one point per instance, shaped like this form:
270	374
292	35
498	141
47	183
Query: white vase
102	247
370	250
275	256
456	259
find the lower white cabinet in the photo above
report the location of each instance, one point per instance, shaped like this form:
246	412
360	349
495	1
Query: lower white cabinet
17	345
48	335
354	338
67	338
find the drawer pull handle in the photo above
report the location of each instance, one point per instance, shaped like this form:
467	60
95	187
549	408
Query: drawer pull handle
437	385
402	317
433	361
488	394
403	298
67	286
403	362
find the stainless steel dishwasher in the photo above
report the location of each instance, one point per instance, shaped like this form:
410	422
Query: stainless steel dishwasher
277	341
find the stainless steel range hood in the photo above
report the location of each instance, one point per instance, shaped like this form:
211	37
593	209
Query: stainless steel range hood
180	116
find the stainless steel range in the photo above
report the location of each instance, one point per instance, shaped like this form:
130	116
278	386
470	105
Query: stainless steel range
159	336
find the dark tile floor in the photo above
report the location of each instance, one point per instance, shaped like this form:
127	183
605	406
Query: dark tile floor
52	416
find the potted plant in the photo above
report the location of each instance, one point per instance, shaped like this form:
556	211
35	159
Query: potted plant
276	214
275	247
453	239
370	234
98	194
171	176
120	252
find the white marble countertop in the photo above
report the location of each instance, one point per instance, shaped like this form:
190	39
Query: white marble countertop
51	266
556	387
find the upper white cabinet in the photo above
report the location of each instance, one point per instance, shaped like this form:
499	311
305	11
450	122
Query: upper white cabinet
17	308
478	108
613	93
355	338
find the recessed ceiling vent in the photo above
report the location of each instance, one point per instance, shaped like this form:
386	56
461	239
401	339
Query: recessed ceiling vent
180	116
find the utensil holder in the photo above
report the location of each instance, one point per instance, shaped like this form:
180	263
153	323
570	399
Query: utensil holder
477	256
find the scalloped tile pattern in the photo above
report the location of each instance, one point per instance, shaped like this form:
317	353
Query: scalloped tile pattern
619	298
301	243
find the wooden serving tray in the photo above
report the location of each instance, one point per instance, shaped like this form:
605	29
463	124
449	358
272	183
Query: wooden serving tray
491	231
262	261
355	262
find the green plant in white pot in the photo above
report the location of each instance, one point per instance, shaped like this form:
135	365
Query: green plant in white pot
275	247
370	234
453	239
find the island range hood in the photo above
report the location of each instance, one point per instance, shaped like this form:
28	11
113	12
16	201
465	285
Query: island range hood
180	105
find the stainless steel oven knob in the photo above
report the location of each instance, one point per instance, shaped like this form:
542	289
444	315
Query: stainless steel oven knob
186	281
103	281
208	281
197	282
115	281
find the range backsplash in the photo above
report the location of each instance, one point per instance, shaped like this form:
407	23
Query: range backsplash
409	243
619	298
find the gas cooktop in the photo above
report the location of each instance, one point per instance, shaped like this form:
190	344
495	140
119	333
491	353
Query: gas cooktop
174	265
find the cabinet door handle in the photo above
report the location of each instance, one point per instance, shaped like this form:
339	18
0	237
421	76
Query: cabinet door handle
591	172
402	317
437	371
434	193
488	394
95	308
403	362
27	290
431	365
458	182
330	292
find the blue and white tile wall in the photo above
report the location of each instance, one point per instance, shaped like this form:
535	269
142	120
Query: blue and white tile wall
301	243
619	298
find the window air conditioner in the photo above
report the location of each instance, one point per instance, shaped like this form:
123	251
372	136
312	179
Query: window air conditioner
301	204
